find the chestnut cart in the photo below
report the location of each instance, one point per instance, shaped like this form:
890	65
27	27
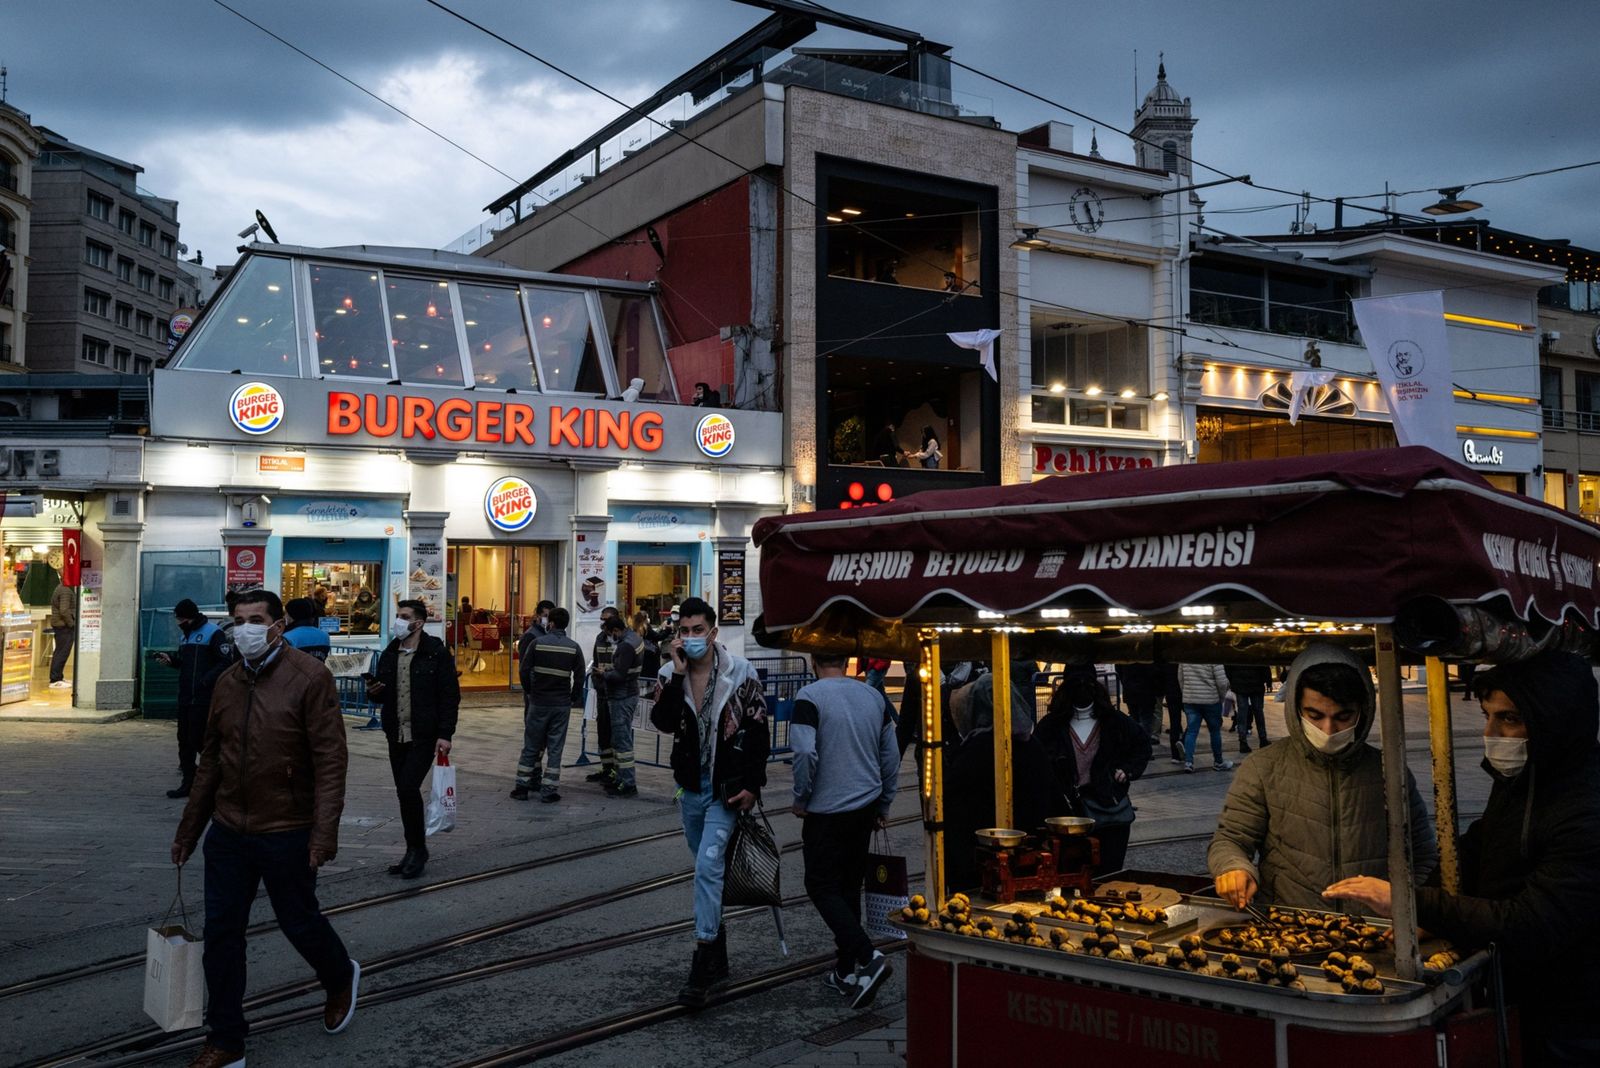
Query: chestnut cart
1396	555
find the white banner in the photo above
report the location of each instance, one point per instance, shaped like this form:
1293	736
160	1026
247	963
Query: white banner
1405	336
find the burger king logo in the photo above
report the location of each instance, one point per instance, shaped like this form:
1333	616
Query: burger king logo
510	504
714	435
246	559
256	408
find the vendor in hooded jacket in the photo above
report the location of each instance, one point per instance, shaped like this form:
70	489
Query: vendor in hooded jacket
1530	865
1309	812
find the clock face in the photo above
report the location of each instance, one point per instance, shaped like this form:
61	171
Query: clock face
1088	213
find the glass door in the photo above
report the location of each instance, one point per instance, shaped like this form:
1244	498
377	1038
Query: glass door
494	591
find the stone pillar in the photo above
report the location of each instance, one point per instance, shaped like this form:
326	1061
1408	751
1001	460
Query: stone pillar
117	685
426	555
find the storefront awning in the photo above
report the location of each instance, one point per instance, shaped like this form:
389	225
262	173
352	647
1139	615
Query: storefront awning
1347	537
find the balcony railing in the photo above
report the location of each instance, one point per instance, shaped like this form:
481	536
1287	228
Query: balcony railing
1252	313
1570	419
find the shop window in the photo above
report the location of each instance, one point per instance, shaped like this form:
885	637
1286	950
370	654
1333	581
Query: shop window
251	328
491	592
347	307
879	412
497	338
1555	488
1228	435
1090	373
1589	496
346	593
423	327
1550	396
636	347
1586	394
895	236
563	338
1302	303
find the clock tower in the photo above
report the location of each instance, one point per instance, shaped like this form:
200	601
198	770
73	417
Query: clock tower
1163	130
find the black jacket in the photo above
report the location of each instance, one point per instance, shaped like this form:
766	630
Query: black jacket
622	674
552	670
969	799
1248	680
435	690
1530	865
1122	745
739	760
203	655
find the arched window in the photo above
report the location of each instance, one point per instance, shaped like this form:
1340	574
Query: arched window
8	171
8	229
1169	157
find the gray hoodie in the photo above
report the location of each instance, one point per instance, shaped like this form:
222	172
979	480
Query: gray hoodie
1299	820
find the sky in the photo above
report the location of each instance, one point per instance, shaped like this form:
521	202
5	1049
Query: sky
1334	99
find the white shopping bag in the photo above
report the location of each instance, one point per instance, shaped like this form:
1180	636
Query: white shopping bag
888	890
442	799
174	977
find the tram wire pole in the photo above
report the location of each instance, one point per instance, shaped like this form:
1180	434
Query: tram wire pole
1403	890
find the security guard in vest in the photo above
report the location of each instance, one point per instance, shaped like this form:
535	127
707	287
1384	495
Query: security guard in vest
552	689
622	697
598	667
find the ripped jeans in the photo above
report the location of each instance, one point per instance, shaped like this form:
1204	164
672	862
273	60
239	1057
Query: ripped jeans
707	823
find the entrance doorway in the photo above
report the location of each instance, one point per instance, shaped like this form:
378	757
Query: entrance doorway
653	578
493	590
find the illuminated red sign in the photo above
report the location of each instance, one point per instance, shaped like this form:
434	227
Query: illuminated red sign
1087	459
491	422
857	494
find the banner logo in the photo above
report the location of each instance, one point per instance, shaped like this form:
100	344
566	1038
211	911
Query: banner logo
245	558
510	504
714	436
1406	359
256	408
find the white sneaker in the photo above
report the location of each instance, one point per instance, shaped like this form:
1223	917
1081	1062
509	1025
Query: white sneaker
62	684
1222	765
869	977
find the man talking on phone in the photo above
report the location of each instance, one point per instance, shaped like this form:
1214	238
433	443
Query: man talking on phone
711	704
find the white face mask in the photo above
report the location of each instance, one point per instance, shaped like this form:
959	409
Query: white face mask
1323	742
1508	756
251	639
403	628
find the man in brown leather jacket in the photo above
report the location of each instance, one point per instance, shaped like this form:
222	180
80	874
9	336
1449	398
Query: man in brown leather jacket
271	784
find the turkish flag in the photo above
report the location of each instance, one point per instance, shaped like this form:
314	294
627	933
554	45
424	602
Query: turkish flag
71	561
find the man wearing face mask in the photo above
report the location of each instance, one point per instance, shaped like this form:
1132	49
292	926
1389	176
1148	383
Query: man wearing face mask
711	703
1309	811
271	784
1530	869
1096	752
598	666
203	654
416	686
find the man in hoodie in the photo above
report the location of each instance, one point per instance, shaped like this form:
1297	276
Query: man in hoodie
1309	811
711	703
1530	865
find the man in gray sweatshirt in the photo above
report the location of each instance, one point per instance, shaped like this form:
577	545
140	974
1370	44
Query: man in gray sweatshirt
846	762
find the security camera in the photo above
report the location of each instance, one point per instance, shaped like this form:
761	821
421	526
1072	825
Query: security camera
250	231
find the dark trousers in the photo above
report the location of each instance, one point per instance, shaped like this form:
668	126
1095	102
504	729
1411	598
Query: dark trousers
1251	709
1113	845
1174	717
602	732
235	865
191	737
409	762
63	649
835	846
1143	710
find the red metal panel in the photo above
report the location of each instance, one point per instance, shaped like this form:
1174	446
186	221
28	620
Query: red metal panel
1470	1040
1005	1018
1312	1048
928	994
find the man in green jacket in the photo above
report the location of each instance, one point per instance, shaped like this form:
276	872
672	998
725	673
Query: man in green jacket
1310	811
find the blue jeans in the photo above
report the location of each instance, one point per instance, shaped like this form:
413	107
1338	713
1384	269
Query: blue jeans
707	822
1212	714
235	865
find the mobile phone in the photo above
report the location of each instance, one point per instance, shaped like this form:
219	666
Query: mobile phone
367	676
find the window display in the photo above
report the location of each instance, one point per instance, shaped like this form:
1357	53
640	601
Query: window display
345	594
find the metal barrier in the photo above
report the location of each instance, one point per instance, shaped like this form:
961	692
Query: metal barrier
347	662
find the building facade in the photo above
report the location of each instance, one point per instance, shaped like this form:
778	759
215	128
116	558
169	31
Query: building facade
1569	380
104	281
19	144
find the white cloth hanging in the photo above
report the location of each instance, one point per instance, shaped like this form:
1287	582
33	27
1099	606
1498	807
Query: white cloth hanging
1302	383
983	342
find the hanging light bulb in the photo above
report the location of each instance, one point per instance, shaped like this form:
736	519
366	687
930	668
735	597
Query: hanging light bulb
433	311
349	302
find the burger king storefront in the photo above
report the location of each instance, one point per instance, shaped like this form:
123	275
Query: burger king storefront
521	439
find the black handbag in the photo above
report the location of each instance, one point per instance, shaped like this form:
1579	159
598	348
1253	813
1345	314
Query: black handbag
752	876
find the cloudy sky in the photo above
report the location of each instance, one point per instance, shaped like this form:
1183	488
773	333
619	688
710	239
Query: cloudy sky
1336	99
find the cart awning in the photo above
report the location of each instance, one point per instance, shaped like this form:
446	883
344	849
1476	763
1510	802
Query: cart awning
1347	537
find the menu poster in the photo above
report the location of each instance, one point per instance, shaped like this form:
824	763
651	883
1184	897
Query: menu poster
89	616
591	579
247	567
425	577
730	587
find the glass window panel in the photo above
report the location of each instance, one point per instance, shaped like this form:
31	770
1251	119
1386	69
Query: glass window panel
1089	412
891	235
423	327
1555	488
1129	415
252	328
636	345
1049	409
352	338
564	340
497	338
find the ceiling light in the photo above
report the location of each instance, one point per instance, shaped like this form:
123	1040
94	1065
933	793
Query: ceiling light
1161	395
1092	391
243	320
1449	204
1126	394
911	215
851	211
835	218
273	288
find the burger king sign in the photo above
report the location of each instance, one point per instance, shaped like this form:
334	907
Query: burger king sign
256	408
510	504
714	435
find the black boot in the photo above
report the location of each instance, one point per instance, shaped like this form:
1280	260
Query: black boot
697	991
181	791
414	863
405	862
719	959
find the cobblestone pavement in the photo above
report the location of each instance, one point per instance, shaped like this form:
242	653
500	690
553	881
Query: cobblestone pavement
84	871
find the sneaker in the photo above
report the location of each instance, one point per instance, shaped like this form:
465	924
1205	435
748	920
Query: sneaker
519	793
844	985
1189	768
1177	753
61	684
216	1057
1263	743
1221	765
869	977
550	798
341	1005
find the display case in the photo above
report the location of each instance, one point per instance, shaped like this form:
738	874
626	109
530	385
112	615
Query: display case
16	656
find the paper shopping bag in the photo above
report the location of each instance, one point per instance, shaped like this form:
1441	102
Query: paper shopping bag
888	891
174	976
442	797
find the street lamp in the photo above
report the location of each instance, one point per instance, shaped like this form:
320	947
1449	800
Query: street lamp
1449	204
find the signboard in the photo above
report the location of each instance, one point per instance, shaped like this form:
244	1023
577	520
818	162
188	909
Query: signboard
247	567
591	578
1491	455
267	464
730	587
713	435
425	575
510	504
178	326
1041	1017
1054	459
92	578
256	408
89	618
